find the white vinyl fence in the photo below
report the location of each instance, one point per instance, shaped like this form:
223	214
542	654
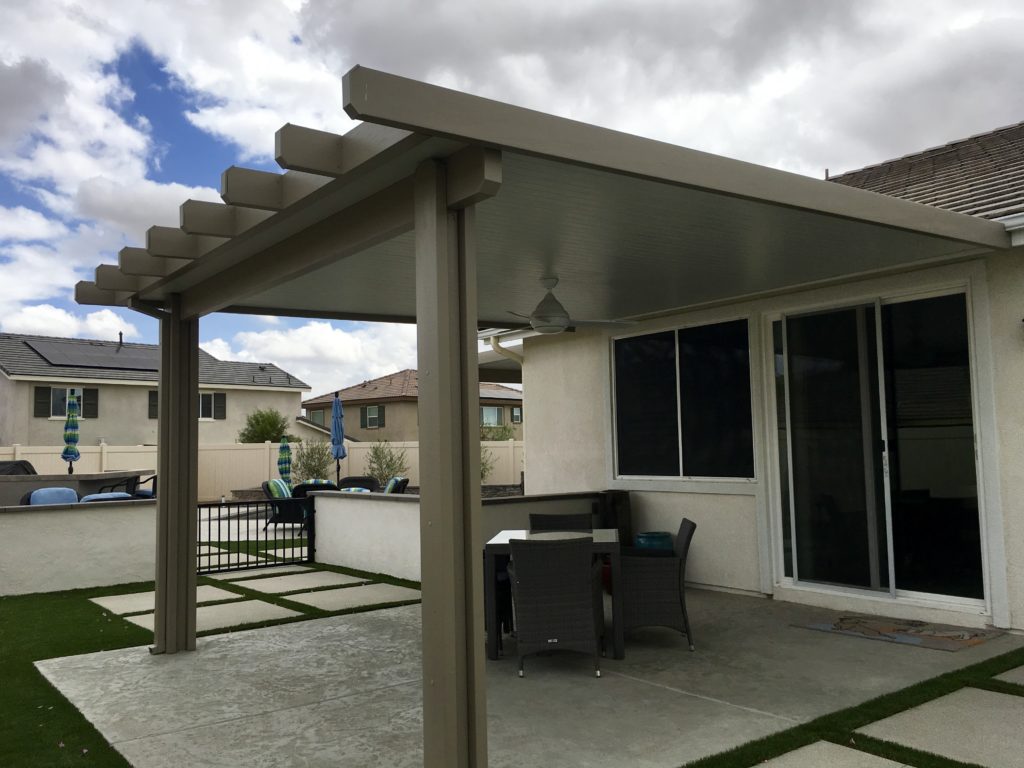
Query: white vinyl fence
236	466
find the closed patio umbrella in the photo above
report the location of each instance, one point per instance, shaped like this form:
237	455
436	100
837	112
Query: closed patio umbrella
70	453
338	436
284	461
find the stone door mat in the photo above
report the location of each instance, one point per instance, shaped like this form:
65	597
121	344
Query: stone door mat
939	637
356	597
1013	676
825	753
226	615
969	725
249	573
144	601
276	585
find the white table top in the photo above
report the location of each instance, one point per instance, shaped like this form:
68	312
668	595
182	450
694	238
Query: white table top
599	535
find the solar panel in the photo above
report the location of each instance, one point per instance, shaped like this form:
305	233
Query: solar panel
97	355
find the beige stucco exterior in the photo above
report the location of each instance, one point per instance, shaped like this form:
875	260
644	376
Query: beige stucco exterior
401	421
569	444
124	413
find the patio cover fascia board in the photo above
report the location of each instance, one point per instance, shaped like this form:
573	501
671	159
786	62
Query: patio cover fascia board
386	99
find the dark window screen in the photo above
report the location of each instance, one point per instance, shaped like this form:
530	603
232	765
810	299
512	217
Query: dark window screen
714	388
646	415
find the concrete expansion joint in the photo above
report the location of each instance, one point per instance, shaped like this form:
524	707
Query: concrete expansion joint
706	698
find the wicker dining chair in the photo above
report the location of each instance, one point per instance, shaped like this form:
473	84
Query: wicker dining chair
653	585
582	521
553	593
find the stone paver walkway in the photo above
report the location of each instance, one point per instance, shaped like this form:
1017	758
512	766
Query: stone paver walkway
139	602
1013	676
276	585
969	725
249	573
824	754
227	615
356	597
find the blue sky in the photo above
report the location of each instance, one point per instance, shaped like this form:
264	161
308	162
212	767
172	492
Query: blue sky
115	113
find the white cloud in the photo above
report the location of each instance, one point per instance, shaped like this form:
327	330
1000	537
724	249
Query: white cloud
24	224
48	320
323	355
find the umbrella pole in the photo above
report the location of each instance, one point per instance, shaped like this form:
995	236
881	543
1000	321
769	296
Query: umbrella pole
71	467
337	471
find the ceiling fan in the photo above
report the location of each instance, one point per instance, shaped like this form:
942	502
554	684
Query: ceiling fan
549	316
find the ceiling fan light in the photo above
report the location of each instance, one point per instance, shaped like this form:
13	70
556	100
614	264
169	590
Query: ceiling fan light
555	324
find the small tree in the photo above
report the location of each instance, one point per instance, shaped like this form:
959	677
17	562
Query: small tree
384	462
487	462
264	424
312	461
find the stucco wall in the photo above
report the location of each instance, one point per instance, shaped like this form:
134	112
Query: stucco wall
401	423
8	414
124	415
85	545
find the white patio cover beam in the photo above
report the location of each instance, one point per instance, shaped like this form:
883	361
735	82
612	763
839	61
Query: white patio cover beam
451	540
199	217
248	188
176	244
139	261
399	102
328	154
110	278
372	220
87	293
473	174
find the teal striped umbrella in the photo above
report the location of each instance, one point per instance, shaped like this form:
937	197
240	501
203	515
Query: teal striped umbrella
70	453
284	461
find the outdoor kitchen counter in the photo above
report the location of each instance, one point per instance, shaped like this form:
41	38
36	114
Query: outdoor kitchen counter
13	487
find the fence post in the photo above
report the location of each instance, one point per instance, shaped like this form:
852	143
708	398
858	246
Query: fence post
103	456
17	451
266	460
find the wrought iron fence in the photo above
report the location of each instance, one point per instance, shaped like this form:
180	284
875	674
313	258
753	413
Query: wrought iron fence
237	535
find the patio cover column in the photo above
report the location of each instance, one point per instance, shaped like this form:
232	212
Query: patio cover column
175	617
451	543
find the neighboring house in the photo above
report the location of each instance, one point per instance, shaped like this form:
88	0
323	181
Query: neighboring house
386	408
116	384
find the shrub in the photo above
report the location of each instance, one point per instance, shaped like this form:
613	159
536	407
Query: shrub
312	460
264	424
503	432
487	462
384	462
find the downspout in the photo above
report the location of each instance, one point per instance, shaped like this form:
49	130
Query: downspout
514	356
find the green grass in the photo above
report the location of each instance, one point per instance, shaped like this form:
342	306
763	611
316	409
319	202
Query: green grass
839	727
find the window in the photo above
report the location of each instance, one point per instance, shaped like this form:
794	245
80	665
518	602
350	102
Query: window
490	415
213	405
517	414
317	417
154	404
682	403
52	402
371	416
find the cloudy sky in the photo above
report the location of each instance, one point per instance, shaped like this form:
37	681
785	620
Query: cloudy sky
113	113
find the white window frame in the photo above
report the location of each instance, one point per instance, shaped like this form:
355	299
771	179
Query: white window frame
517	415
68	392
373	417
496	409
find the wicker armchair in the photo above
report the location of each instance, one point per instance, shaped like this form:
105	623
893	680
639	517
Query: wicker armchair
653	585
582	521
556	607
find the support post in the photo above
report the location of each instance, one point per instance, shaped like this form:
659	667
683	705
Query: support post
451	542
178	462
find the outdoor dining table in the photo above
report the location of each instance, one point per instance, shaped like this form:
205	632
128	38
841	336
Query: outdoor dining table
606	542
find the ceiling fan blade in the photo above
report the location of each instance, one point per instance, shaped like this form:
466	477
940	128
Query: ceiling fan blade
518	314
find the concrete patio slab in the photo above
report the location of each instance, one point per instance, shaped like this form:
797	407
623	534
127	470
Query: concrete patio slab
287	552
970	725
1013	676
276	585
249	573
824	753
226	615
206	549
355	597
138	602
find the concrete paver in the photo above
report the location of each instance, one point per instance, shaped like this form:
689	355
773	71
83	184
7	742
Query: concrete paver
1013	676
248	573
287	552
970	725
276	585
226	615
221	558
355	597
144	601
825	753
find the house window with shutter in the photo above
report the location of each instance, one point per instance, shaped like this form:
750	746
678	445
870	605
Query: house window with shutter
517	414
490	415
213	405
371	416
154	403
52	402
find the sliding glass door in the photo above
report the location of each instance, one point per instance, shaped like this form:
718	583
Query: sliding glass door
877	452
